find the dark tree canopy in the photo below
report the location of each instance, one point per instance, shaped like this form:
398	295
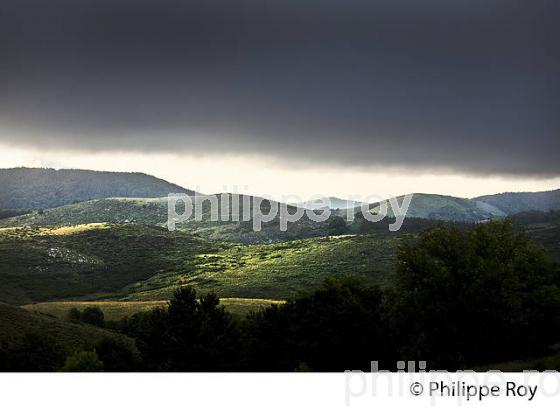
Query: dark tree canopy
465	297
93	315
190	335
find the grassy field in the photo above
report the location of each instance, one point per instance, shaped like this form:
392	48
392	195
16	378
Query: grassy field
15	323
137	262
115	310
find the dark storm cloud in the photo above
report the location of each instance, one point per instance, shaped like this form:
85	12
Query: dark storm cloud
471	85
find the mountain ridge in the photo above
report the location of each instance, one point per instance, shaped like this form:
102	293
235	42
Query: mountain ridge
47	188
37	188
515	202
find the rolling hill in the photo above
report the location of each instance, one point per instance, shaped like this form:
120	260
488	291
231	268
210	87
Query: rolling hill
449	208
446	208
138	262
153	211
41	264
135	197
37	188
515	202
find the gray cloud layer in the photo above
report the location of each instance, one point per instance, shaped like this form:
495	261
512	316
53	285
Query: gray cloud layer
471	85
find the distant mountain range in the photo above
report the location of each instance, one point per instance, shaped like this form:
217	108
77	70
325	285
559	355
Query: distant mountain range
34	188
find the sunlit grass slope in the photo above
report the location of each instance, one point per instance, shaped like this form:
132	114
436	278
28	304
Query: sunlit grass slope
137	262
154	211
115	310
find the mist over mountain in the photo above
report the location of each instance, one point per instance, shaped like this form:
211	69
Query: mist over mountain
34	188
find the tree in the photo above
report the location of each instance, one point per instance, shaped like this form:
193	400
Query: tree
94	316
83	362
116	355
201	334
465	297
338	327
36	352
190	335
337	225
149	329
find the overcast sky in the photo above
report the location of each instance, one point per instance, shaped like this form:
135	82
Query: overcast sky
460	88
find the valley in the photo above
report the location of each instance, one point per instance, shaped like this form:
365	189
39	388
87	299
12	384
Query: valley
116	255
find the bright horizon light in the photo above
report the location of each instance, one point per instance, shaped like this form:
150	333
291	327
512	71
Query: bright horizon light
262	176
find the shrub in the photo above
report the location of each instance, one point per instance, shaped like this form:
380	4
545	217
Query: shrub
94	316
83	362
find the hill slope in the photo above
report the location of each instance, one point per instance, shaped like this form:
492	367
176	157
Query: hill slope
138	262
43	264
33	188
515	202
16	322
153	211
446	208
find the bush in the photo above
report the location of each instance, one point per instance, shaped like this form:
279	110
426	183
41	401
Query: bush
83	362
93	316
